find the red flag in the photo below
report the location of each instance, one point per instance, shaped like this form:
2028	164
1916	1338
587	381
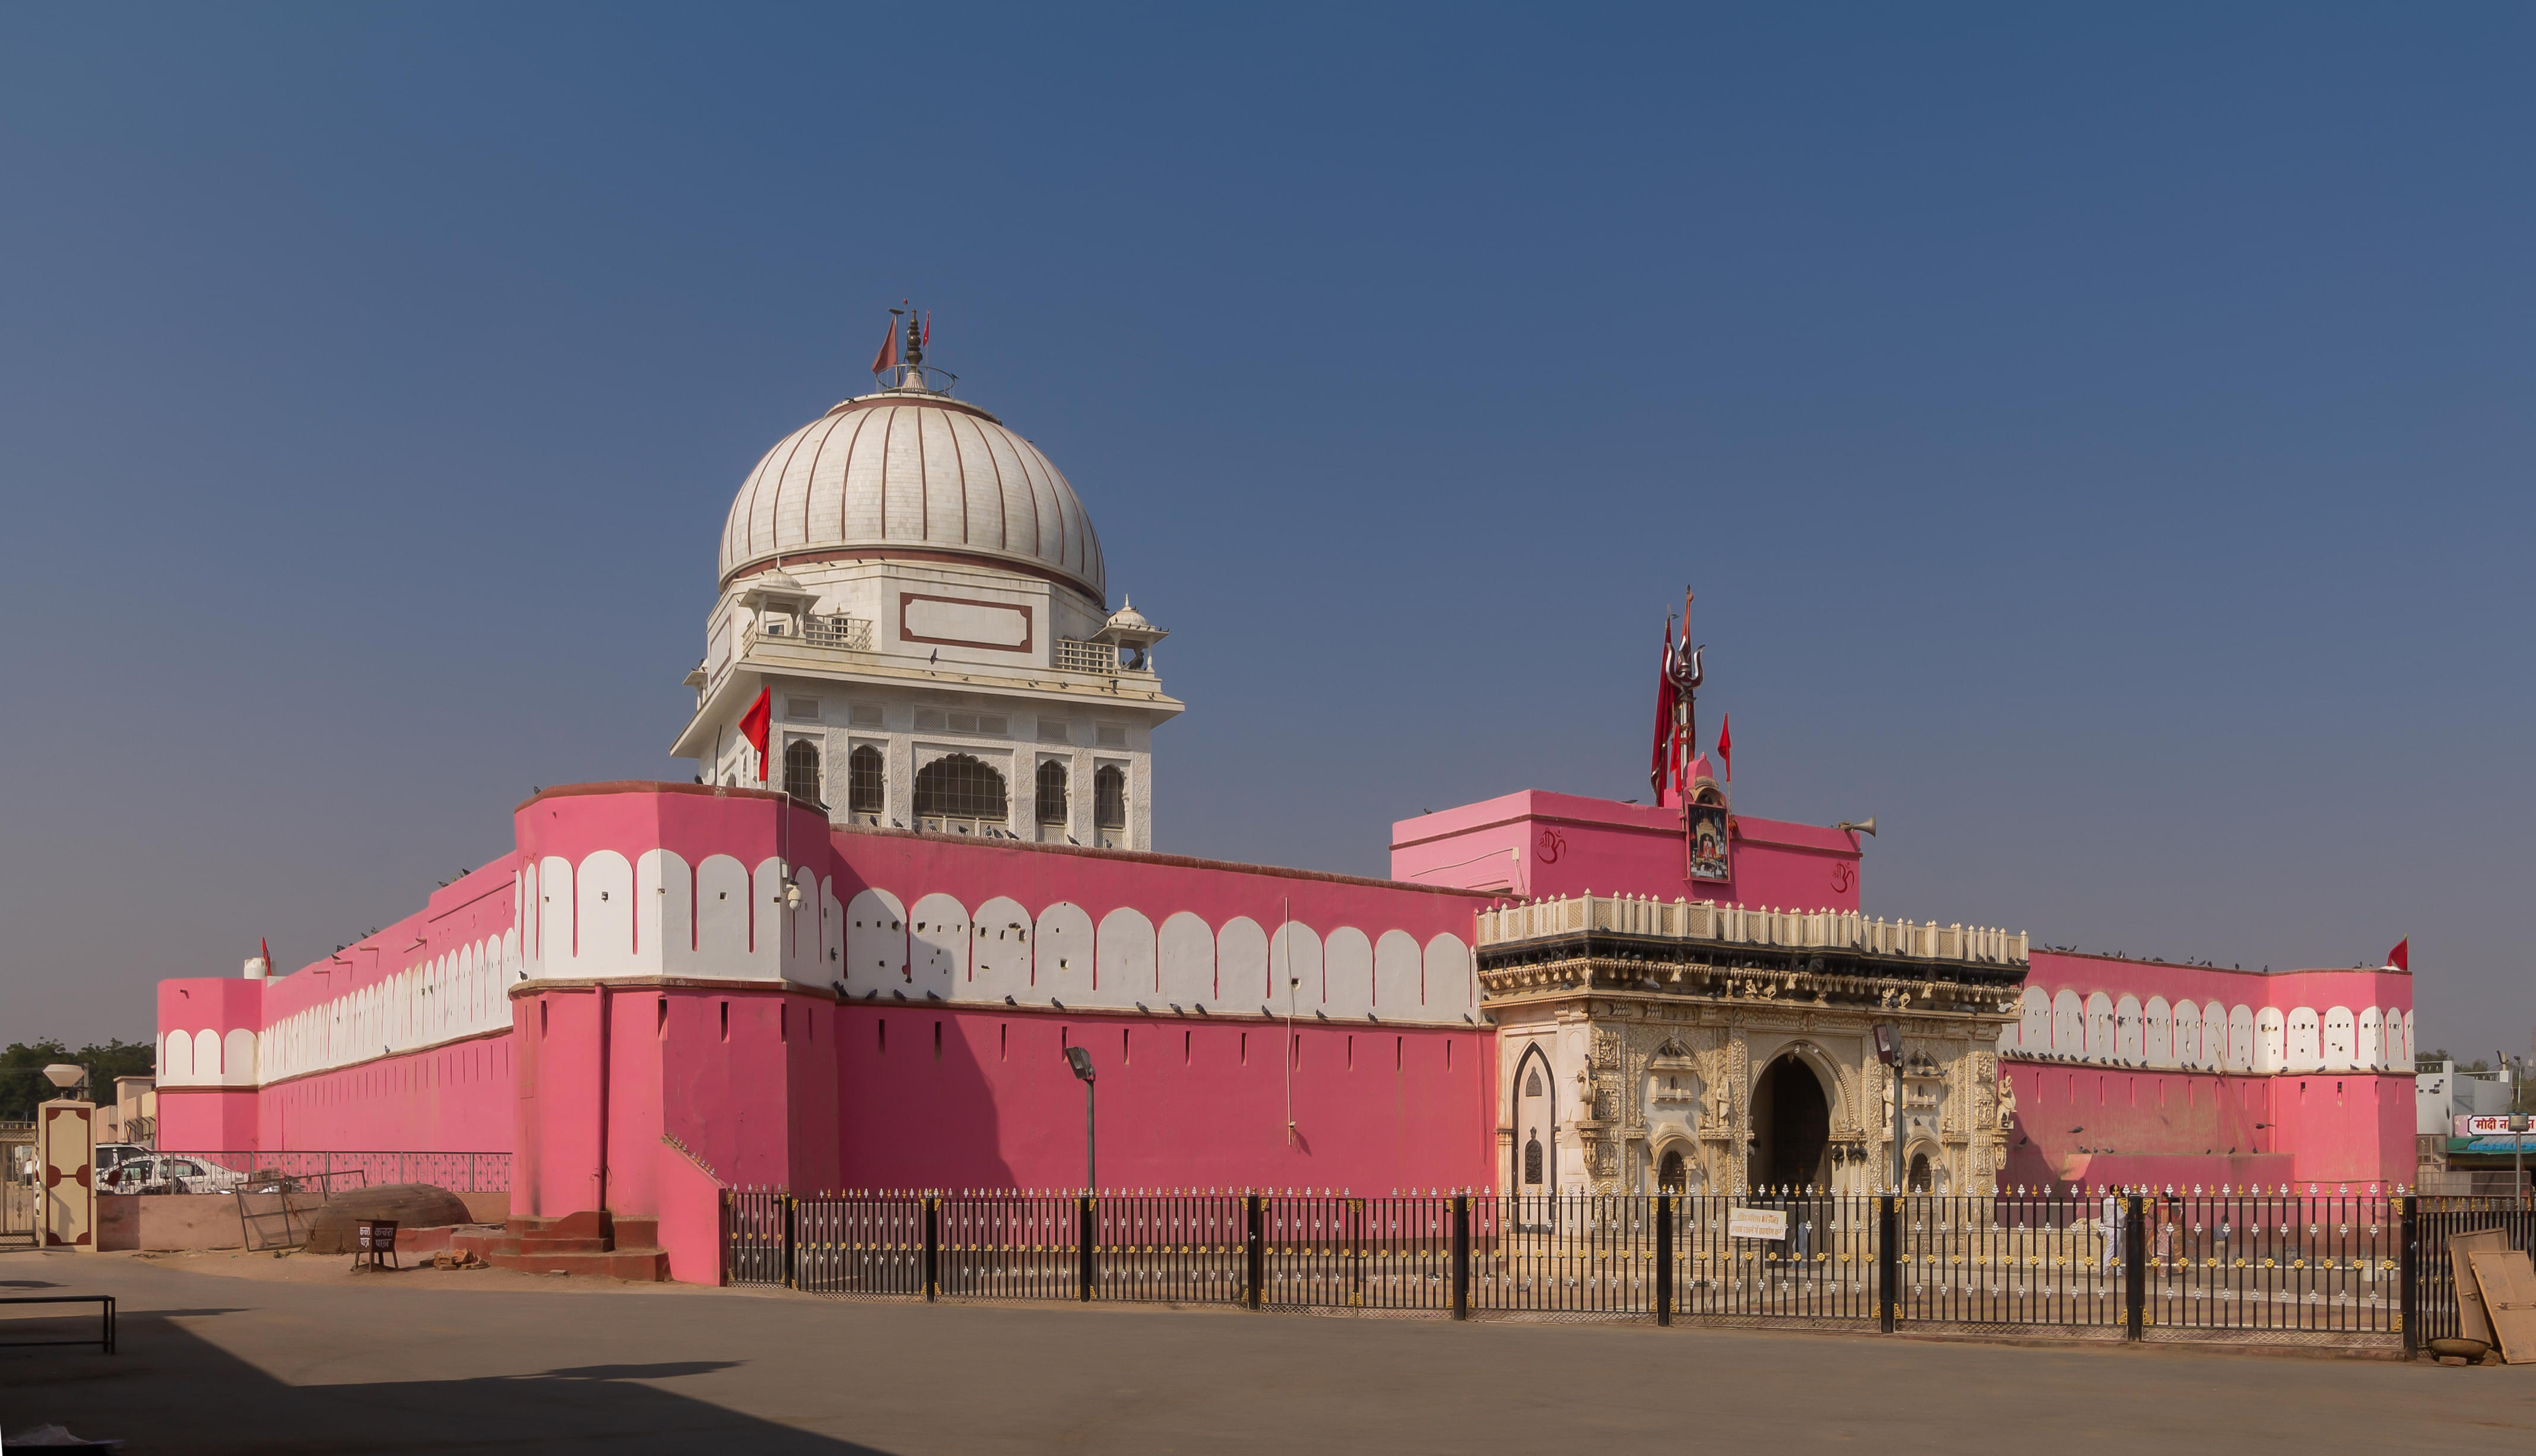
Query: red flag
1726	744
2402	957
1659	757
887	359
754	723
928	328
266	952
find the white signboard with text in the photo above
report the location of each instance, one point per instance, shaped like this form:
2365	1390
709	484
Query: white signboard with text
1756	1223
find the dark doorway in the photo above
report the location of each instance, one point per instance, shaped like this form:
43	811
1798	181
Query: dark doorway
1791	1126
1920	1182
1669	1173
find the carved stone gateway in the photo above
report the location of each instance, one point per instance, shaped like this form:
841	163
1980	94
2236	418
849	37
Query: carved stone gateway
1721	1047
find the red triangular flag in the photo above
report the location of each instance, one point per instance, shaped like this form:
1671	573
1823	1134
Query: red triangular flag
1659	758
928	328
266	952
2402	957
1726	744
754	723
887	359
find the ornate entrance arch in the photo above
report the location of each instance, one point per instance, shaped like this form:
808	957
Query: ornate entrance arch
1791	1125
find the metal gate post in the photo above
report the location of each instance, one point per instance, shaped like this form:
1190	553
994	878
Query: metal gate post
1888	1271
1461	1256
2409	1253
1084	1253
2134	1266
932	1246
1664	1258
1254	1246
788	1243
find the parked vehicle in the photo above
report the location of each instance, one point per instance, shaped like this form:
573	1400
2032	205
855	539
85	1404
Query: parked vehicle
110	1155
159	1173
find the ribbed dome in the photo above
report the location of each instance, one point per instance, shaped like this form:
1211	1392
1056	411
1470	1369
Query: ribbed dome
918	472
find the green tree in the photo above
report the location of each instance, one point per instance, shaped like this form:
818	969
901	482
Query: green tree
23	1086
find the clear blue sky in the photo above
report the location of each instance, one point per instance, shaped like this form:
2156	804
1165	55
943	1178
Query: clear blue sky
2101	441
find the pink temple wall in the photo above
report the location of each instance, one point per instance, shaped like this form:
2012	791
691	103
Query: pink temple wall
2185	1128
775	1082
454	1099
744	1054
1180	1103
1538	845
2113	1102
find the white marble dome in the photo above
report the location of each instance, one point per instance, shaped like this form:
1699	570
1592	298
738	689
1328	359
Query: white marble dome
912	475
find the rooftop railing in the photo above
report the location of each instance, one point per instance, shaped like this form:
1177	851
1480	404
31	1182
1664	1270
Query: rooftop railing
1739	924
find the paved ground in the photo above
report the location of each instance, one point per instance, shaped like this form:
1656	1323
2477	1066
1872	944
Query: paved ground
304	1357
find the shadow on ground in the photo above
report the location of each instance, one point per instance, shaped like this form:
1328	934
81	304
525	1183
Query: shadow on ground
168	1390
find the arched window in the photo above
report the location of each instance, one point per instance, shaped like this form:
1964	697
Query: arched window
1052	794
802	771
1532	1159
1109	798
959	795
1669	1172
1919	1179
1531	1083
866	788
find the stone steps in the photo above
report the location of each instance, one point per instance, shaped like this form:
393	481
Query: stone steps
585	1243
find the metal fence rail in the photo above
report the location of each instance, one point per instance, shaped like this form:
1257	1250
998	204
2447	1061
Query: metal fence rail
2276	1263
1010	1245
2015	1260
459	1172
1825	1271
2256	1265
2435	1313
1584	1255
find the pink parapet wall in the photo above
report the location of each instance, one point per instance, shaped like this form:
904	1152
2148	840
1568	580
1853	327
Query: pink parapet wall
2143	1071
1537	845
675	990
393	1044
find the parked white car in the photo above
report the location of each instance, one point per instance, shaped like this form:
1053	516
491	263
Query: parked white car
170	1174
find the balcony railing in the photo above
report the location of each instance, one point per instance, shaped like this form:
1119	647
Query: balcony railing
852	634
1097	656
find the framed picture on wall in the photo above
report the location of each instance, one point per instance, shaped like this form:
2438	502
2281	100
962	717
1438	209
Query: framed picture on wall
1704	827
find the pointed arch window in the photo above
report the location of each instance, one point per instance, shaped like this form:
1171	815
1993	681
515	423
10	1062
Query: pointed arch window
1050	794
1532	1160
1110	801
866	784
802	771
958	793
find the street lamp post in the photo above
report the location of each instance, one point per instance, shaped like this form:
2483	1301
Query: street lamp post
1081	1060
66	1076
2519	1158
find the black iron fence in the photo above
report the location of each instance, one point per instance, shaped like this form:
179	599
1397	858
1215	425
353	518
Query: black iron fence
2433	1314
2250	1266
